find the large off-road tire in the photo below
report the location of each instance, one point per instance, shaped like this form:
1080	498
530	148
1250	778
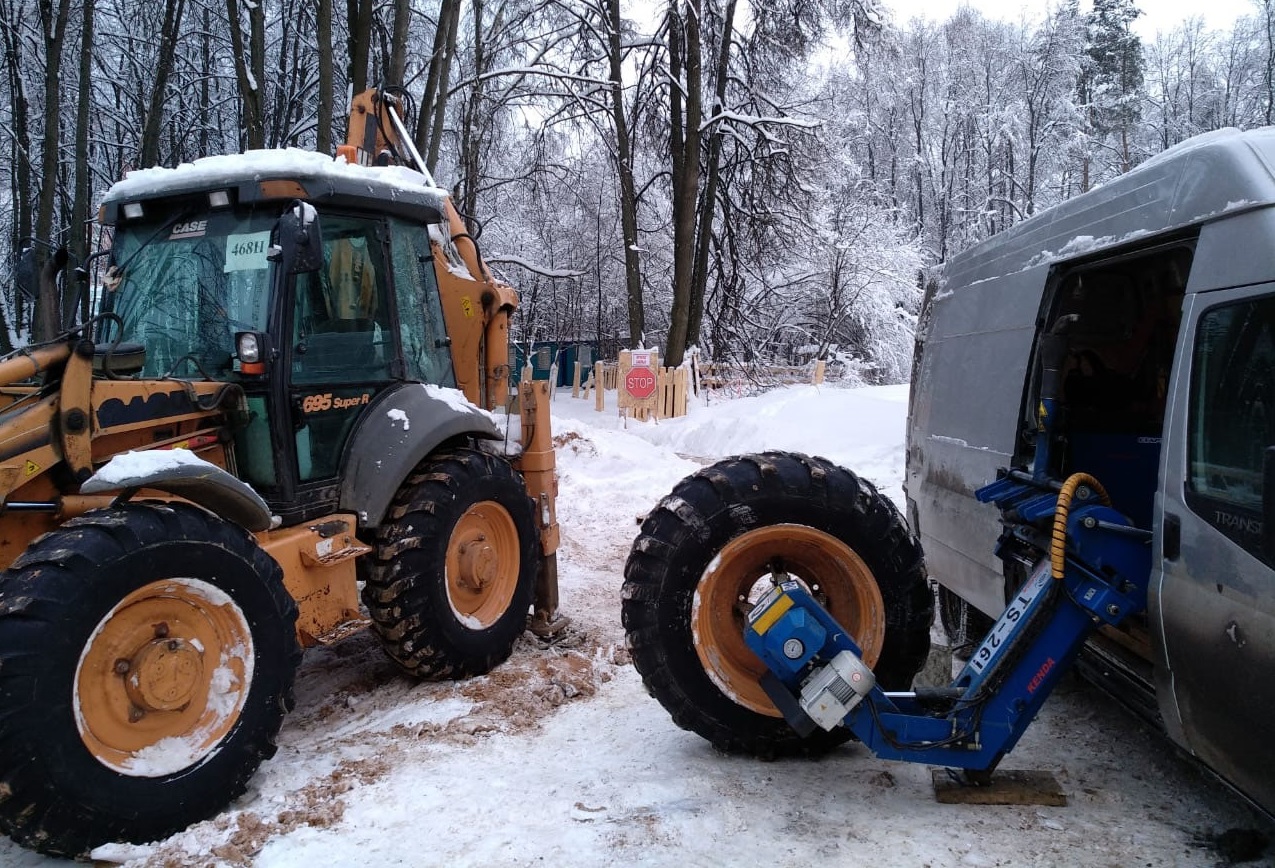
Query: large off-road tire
147	657
709	550
455	566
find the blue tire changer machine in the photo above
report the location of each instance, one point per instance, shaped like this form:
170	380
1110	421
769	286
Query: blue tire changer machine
1096	573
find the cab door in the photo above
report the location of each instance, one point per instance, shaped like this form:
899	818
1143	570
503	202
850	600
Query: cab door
342	349
1213	589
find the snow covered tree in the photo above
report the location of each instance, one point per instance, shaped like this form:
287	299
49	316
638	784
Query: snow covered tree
861	308
1110	86
748	69
668	177
250	68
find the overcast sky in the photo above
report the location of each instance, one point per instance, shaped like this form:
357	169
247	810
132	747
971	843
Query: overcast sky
1156	14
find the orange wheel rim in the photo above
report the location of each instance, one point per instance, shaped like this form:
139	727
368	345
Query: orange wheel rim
743	571
483	563
163	678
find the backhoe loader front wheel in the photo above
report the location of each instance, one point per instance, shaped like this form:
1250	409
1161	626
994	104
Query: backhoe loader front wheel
455	566
147	656
718	542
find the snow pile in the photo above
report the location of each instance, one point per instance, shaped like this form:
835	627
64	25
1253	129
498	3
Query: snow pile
123	469
861	429
455	399
221	170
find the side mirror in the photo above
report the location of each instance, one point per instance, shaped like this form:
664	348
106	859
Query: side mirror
296	242
47	322
84	269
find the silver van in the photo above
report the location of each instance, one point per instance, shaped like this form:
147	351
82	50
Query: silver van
1160	288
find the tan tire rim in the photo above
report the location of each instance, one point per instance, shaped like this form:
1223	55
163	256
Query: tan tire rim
163	678
483	563
743	571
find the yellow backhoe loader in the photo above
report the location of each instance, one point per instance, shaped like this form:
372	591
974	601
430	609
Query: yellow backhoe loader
296	381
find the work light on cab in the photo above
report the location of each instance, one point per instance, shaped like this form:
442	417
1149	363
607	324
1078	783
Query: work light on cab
248	347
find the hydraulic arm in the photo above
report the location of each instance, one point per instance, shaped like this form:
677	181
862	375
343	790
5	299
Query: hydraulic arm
1096	573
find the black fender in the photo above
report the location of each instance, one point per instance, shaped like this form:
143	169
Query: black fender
395	433
199	482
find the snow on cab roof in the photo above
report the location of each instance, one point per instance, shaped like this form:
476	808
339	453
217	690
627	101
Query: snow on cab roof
394	182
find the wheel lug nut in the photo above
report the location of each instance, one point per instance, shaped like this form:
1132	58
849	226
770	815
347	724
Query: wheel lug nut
161	630
122	666
173	644
135	714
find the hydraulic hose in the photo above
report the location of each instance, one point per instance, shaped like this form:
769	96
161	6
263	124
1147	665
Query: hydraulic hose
1058	543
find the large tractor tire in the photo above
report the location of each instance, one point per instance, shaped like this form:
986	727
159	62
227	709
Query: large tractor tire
455	566
710	549
147	657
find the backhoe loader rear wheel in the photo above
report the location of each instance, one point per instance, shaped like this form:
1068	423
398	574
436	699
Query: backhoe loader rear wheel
147	656
455	566
712	548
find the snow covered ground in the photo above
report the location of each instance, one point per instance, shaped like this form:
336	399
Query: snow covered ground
560	758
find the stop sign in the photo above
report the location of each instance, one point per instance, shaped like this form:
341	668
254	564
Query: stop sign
640	383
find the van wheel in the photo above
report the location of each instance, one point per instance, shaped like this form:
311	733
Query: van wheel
709	550
147	657
455	566
964	625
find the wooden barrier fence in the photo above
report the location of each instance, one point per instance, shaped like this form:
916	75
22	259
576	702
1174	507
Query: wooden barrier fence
671	395
668	401
606	373
720	375
674	384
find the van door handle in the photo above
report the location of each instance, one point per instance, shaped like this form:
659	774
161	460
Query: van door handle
1171	546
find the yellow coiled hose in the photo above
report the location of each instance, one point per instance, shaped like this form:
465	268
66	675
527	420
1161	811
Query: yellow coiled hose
1058	543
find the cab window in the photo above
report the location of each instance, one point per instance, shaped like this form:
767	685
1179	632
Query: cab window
341	323
426	353
183	284
1232	416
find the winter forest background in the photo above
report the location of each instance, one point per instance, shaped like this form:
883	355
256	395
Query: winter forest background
770	181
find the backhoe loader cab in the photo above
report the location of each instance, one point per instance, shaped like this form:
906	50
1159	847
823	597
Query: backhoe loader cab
318	303
296	383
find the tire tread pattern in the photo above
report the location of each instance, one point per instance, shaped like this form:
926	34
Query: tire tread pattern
696	520
405	584
37	593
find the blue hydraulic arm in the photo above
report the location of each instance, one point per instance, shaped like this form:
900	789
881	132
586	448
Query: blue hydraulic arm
1097	575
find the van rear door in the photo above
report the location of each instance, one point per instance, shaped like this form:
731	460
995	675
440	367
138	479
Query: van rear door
1213	592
